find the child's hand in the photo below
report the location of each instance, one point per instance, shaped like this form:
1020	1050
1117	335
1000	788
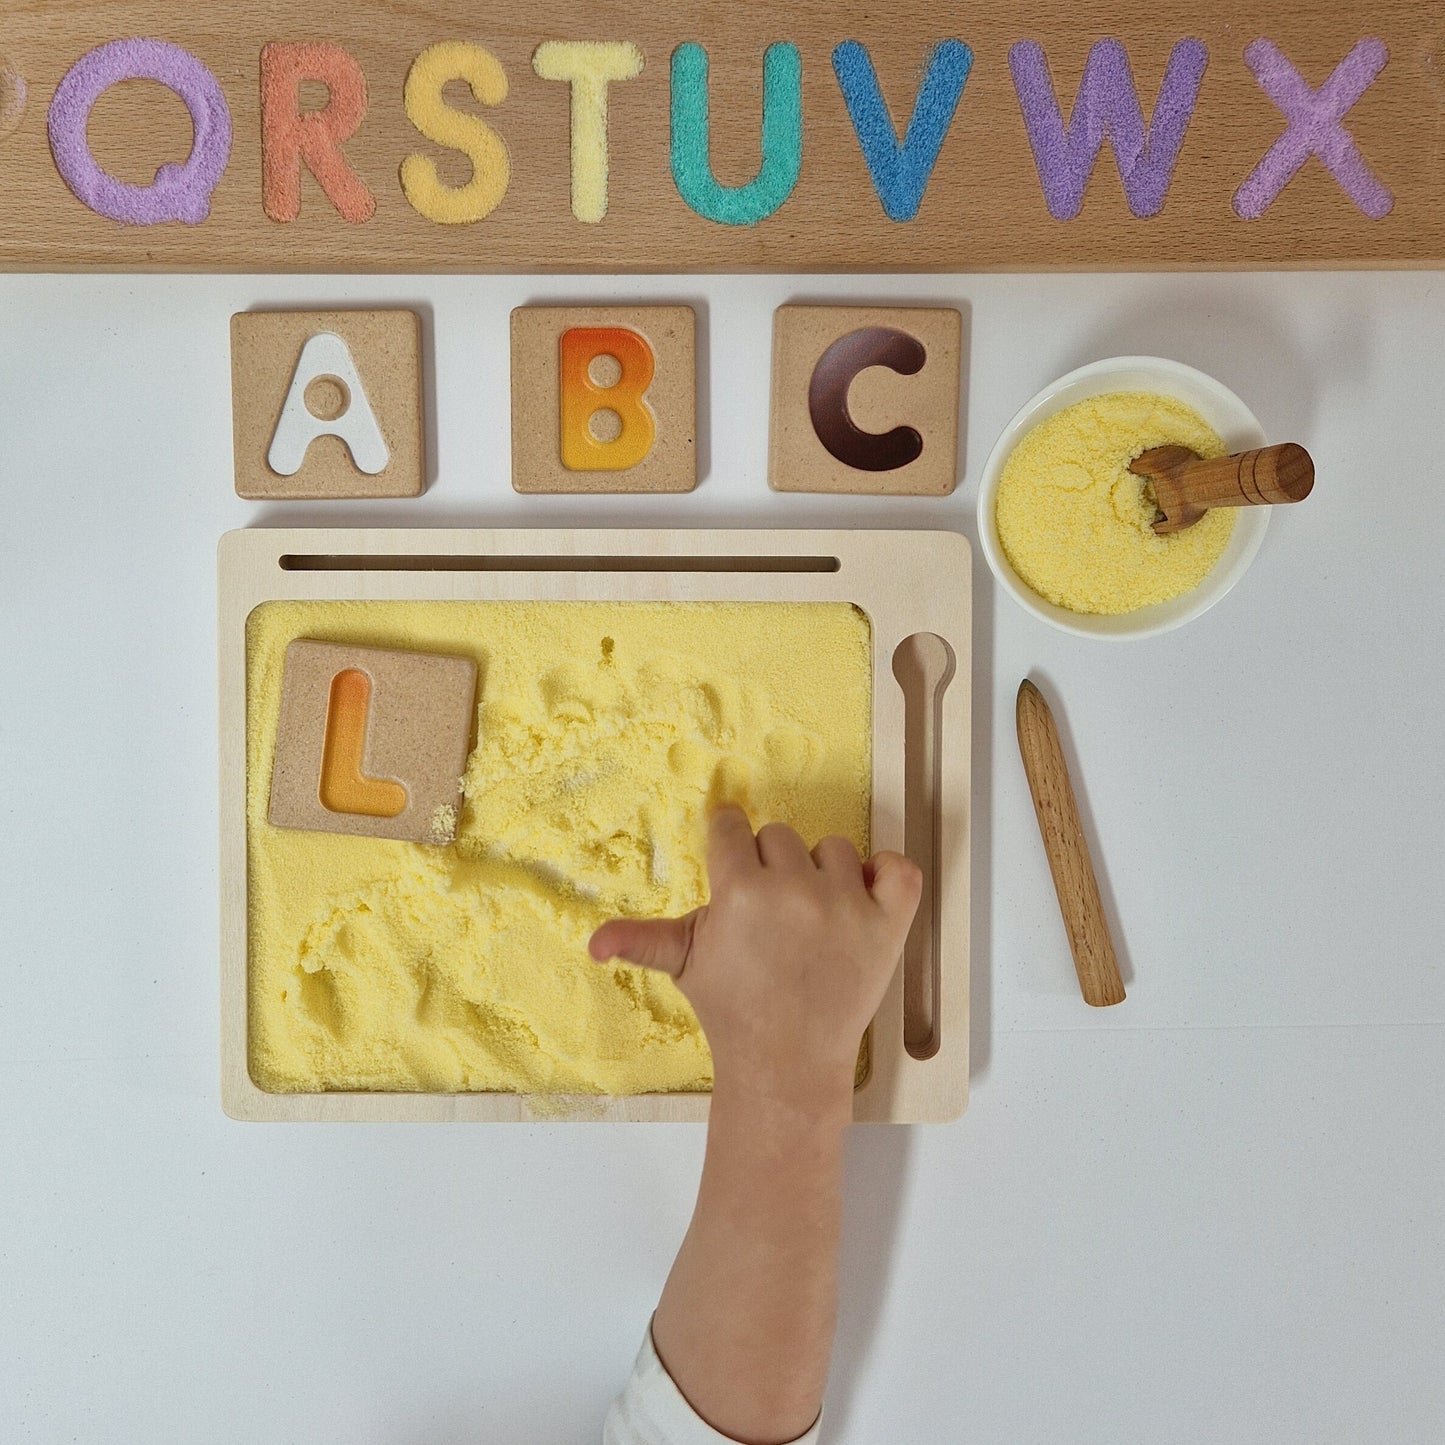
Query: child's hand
789	959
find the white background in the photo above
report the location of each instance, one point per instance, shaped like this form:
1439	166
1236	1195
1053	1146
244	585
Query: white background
1211	1214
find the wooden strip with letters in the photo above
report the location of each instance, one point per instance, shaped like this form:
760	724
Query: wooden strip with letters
984	206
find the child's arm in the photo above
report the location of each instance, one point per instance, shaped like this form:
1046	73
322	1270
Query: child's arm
785	967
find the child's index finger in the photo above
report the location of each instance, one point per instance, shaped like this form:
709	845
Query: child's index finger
731	847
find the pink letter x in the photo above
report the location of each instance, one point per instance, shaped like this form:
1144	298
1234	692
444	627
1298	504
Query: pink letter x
1314	128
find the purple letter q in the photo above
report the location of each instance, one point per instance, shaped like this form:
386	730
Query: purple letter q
178	193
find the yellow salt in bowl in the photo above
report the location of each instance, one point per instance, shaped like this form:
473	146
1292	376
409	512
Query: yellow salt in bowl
1088	563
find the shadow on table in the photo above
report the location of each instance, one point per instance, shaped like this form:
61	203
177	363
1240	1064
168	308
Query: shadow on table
1222	332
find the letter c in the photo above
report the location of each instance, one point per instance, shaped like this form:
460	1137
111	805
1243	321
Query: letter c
828	398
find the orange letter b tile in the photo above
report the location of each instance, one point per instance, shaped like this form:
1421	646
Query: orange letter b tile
604	399
606	423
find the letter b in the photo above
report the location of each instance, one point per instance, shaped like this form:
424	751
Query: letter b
604	373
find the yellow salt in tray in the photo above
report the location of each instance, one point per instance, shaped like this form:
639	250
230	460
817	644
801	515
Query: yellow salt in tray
603	733
625	682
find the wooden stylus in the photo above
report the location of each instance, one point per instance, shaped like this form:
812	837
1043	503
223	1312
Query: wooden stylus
1068	851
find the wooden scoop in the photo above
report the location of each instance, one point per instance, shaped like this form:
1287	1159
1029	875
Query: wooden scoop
1186	486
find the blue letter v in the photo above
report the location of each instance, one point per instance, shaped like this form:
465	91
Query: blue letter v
900	172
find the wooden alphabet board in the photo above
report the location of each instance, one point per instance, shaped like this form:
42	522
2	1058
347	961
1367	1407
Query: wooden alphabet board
816	135
914	588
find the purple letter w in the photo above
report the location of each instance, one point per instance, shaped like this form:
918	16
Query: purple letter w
1107	105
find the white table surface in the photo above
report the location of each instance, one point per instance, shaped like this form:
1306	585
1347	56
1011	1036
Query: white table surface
1212	1214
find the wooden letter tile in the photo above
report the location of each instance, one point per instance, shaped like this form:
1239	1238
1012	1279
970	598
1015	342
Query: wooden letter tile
865	399
327	404
372	741
604	399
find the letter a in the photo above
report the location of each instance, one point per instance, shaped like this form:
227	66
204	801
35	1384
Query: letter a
326	355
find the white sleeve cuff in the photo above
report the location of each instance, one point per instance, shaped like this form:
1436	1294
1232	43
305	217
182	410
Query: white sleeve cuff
652	1410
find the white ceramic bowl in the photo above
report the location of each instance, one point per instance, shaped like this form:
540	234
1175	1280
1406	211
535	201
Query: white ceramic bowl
1238	429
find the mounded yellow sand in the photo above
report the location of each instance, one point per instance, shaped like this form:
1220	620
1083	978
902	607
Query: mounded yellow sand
604	731
1074	521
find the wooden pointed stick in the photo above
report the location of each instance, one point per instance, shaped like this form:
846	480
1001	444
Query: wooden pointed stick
1068	851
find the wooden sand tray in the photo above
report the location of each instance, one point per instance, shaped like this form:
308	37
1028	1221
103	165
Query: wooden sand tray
915	588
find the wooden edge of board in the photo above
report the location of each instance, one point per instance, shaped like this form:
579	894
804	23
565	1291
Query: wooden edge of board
253	568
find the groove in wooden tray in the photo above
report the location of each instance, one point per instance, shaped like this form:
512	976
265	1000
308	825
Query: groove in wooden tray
924	666
303	562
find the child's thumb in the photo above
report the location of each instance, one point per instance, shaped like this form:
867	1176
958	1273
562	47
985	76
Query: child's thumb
660	943
896	883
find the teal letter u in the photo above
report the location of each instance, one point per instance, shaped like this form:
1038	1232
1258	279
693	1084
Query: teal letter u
782	137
